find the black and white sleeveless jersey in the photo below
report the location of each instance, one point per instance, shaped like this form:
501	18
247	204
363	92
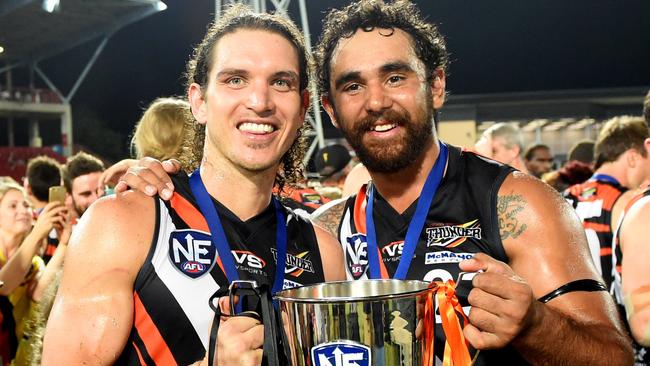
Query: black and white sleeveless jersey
641	354
593	201
172	317
461	221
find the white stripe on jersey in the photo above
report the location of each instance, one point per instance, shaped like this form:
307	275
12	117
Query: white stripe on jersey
192	294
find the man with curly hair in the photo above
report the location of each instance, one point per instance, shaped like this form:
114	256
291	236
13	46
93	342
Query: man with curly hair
382	78
140	272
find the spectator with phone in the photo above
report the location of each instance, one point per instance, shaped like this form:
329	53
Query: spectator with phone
44	174
22	270
80	176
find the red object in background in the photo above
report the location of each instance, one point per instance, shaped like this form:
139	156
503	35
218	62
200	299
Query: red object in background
13	160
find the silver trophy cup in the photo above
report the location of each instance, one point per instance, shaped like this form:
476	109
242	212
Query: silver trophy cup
356	323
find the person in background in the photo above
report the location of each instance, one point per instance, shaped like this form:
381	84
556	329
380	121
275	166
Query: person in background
631	280
631	287
333	164
622	163
22	270
158	134
582	151
504	143
81	175
483	146
42	173
571	173
538	159
577	169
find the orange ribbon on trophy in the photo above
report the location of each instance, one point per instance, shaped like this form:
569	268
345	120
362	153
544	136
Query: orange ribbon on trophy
456	347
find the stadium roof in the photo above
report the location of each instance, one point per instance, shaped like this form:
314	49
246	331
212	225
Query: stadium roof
29	33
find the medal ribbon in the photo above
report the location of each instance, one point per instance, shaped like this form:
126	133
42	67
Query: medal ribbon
456	347
415	227
218	236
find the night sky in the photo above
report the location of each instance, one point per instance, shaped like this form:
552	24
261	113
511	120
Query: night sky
496	46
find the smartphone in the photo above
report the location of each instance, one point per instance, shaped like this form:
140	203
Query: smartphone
57	194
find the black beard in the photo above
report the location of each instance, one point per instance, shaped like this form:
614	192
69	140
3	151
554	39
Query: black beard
381	158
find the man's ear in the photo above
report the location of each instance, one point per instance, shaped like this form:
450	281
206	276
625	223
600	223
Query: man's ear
327	105
197	103
438	85
631	156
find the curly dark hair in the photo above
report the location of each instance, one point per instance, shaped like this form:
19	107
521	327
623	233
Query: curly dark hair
199	66
427	42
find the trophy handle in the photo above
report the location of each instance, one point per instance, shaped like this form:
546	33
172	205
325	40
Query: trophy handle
264	311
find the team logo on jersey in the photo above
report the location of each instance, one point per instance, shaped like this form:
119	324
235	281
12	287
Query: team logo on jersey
341	353
295	265
356	255
192	252
393	251
451	236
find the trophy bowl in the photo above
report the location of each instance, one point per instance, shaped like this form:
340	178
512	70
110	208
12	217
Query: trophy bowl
360	323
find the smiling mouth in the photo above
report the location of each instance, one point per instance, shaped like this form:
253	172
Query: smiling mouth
383	127
257	128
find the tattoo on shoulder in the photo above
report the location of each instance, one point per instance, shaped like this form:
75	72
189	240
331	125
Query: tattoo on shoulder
508	207
329	218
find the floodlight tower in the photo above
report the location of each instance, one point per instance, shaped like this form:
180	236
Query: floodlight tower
281	6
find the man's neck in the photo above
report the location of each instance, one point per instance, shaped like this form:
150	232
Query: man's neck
402	188
244	193
616	171
519	164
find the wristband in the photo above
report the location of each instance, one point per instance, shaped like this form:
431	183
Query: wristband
577	285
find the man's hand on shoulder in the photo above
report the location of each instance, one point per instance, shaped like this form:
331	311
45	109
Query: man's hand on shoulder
151	177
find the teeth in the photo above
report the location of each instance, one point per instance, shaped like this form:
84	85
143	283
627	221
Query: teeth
255	127
382	128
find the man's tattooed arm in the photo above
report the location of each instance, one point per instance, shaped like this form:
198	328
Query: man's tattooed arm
508	207
329	216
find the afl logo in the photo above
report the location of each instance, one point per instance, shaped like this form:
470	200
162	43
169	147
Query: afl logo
192	252
356	255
